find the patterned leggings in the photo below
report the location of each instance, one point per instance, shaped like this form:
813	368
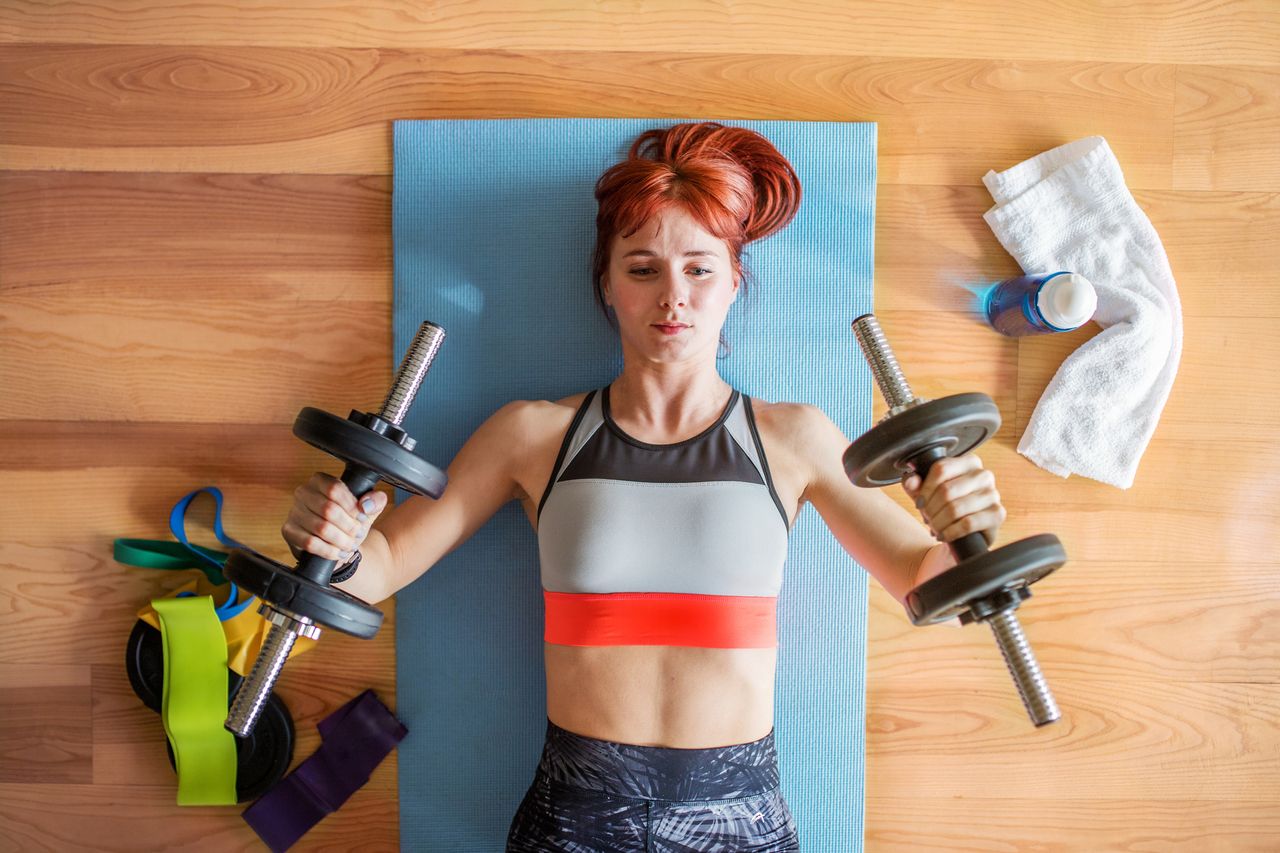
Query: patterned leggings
599	796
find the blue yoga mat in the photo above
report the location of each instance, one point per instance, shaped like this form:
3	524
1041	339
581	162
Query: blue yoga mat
494	222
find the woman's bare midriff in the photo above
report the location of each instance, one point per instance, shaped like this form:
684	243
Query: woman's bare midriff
671	696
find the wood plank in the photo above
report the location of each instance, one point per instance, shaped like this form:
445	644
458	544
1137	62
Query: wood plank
110	818
204	238
935	252
330	110
919	824
1244	31
1226	128
46	728
131	359
1171	741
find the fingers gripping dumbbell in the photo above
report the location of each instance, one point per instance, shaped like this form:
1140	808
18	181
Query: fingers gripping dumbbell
300	601
984	586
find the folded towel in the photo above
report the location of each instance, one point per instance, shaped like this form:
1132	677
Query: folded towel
1069	209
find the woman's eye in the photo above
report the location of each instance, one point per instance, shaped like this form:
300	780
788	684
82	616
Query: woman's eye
646	270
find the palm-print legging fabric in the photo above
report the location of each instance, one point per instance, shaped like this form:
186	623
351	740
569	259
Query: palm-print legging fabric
592	796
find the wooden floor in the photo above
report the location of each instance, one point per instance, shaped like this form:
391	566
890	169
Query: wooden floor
195	242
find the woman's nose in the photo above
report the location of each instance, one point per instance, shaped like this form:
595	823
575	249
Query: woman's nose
673	291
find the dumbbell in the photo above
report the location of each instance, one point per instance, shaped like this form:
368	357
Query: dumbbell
299	601
261	759
984	585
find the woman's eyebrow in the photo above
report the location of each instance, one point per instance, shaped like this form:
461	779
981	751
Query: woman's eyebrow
649	254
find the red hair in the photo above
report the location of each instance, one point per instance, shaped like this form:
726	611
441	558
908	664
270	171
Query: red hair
731	180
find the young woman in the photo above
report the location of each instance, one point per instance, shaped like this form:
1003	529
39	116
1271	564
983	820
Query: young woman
662	504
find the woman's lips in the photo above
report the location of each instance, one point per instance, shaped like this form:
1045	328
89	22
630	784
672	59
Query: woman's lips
669	330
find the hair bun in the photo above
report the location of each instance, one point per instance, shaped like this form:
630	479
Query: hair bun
776	192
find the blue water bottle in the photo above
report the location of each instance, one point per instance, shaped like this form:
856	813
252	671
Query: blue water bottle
1041	303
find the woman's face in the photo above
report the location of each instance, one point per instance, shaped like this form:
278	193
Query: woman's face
655	277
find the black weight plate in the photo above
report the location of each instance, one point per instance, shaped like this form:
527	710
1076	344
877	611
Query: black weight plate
264	756
327	606
353	442
957	424
1018	564
144	663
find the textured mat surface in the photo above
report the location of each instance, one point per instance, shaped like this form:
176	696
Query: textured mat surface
493	227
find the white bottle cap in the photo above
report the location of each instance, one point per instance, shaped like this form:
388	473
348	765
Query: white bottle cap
1067	301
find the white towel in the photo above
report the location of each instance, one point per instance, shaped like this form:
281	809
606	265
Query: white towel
1069	209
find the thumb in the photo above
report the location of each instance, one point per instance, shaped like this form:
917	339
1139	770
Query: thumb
373	503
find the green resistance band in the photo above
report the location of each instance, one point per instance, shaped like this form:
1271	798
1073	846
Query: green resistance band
159	554
194	707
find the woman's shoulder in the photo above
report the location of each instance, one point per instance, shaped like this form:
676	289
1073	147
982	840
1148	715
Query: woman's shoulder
784	414
529	417
801	428
573	401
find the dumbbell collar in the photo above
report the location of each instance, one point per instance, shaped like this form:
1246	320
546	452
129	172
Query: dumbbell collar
897	410
980	610
368	420
300	625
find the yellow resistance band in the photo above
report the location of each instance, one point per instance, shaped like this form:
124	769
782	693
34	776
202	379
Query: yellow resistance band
194	707
246	630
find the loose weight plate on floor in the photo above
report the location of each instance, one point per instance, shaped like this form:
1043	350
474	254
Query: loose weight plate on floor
144	664
264	756
262	759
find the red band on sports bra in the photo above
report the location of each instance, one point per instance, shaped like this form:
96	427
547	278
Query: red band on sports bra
660	619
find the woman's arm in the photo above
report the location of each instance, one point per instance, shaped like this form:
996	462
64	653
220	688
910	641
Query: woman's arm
958	495
410	538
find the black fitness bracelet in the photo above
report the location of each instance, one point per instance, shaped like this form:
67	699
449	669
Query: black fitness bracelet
347	570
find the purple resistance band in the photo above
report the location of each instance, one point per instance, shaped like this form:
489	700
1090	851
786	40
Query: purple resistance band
354	740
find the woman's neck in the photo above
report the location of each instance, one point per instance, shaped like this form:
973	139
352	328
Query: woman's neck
668	404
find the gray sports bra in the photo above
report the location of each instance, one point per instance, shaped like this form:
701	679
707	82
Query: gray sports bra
700	516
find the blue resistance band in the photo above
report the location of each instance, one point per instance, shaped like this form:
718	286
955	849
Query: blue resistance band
150	553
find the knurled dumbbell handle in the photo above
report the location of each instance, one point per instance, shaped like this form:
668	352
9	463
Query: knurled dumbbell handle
1021	661
413	369
251	697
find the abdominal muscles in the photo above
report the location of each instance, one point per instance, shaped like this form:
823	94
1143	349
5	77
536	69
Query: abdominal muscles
673	696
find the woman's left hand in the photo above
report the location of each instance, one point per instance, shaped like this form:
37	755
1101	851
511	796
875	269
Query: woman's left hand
957	498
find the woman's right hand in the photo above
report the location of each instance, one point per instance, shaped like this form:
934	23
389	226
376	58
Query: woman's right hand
326	521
